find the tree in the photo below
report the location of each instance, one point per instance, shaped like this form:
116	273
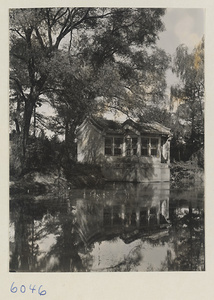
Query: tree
72	98
35	39
128	85
108	42
189	67
156	114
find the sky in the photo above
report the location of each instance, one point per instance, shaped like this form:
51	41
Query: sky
183	26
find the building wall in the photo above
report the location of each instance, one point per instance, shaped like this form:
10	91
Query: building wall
134	168
90	145
136	172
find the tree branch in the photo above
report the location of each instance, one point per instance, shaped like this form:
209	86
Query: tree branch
55	19
49	28
19	87
16	30
39	38
66	28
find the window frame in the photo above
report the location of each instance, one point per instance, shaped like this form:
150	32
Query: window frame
138	149
133	145
117	146
145	147
154	147
150	146
114	146
106	146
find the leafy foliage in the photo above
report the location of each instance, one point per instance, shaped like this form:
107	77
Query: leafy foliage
156	114
189	118
83	59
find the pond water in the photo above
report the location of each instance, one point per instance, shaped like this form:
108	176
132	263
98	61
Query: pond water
121	227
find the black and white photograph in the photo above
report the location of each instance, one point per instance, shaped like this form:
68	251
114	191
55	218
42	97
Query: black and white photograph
106	139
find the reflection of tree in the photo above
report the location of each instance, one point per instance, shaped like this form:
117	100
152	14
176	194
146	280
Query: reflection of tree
66	248
21	252
33	223
75	232
187	236
26	250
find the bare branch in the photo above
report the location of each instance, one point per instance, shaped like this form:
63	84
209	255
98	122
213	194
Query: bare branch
16	30
55	19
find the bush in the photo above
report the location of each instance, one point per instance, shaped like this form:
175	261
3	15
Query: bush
38	155
198	157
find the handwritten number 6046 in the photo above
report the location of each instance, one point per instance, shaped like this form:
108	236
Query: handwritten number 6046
14	289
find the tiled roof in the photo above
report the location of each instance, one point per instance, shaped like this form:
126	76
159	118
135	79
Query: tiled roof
110	126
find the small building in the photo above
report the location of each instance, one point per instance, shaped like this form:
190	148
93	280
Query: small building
128	151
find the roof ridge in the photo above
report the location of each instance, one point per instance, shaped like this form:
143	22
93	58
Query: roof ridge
155	122
115	126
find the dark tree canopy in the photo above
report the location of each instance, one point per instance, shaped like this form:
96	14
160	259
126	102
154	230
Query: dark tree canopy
83	59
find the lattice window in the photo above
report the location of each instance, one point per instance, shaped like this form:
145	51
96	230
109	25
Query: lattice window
149	146
113	146
144	146
118	145
154	146
108	146
131	146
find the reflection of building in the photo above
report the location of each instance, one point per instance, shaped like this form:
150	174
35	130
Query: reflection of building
127	151
139	209
138	217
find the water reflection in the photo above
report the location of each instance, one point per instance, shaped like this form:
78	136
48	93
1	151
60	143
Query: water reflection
123	227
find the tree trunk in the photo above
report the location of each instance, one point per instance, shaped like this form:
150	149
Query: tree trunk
17	125
70	140
34	121
29	106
